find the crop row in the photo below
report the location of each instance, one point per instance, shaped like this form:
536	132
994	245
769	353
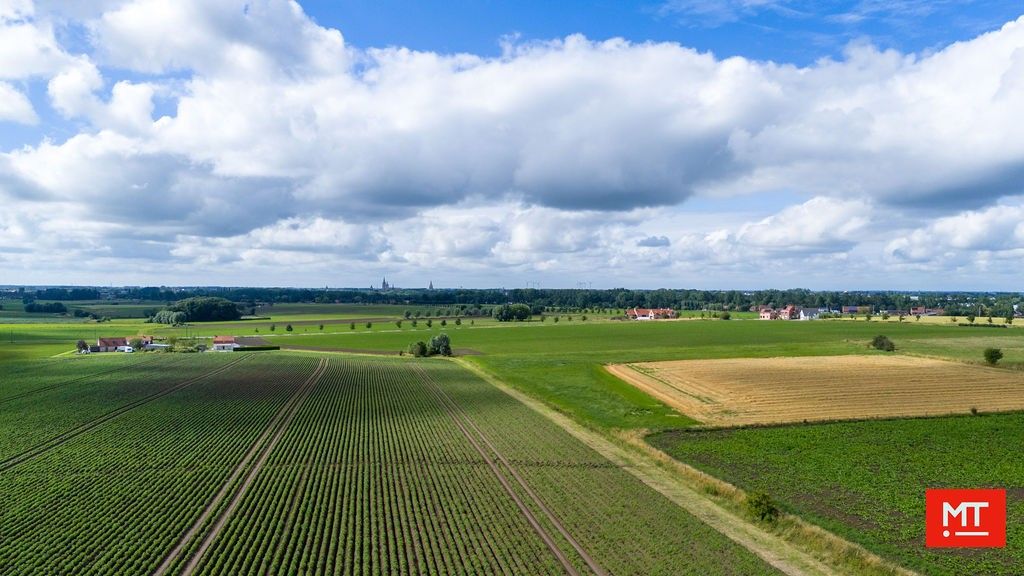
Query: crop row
625	525
116	499
33	419
373	477
22	377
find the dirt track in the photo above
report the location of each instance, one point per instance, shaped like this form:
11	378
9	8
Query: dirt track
777	390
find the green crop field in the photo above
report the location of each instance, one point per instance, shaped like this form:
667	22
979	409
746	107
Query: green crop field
288	463
866	480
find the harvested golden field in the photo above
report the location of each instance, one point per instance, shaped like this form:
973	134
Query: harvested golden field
775	390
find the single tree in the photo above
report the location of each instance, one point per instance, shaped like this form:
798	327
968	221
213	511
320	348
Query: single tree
369	325
351	325
444	323
430	323
993	355
288	328
458	321
321	327
440	344
273	327
1009	319
398	324
971	318
81	345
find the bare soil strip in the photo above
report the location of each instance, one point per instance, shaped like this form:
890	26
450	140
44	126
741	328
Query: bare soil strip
461	420
745	391
73	380
771	548
264	448
92	424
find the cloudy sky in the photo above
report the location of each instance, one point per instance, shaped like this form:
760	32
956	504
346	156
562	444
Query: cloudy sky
683	143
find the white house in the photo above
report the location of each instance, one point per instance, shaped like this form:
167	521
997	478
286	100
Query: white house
225	344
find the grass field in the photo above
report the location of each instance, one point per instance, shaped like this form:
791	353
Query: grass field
866	480
735	392
281	463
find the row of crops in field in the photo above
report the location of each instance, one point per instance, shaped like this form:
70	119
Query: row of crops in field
28	419
400	467
866	480
22	377
116	499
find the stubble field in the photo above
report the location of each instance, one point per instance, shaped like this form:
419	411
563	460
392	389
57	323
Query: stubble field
736	392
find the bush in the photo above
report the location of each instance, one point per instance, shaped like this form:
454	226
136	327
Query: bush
369	325
288	328
725	316
883	343
256	348
993	355
762	507
418	349
351	325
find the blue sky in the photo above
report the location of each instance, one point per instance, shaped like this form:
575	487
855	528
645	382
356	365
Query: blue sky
797	32
687	143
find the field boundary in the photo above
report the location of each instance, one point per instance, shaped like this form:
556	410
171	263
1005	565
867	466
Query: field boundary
263	447
104	418
781	553
461	419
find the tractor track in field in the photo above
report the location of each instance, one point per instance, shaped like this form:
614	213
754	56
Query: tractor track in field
260	450
73	380
100	420
462	420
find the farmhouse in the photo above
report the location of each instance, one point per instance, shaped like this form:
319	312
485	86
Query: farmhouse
224	343
857	309
925	311
110	344
650	313
789	313
768	314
